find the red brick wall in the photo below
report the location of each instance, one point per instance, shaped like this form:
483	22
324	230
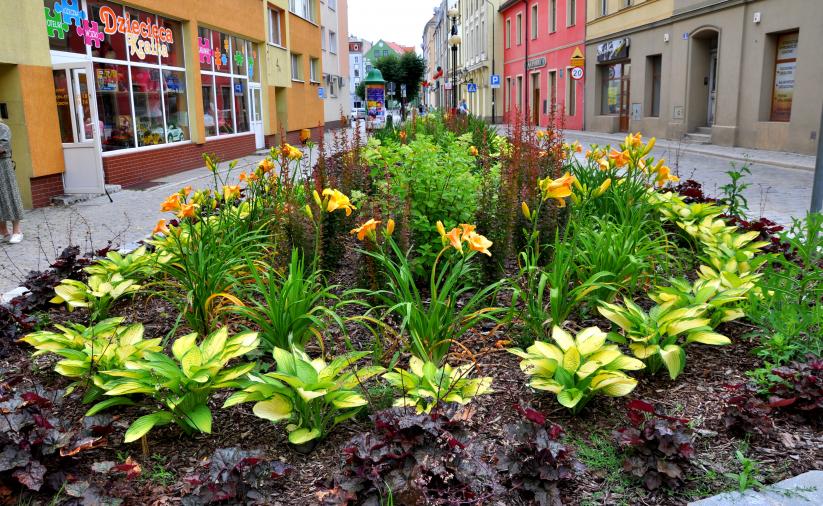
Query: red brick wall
141	166
44	188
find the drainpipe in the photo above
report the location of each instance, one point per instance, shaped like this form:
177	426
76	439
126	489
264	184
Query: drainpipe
526	58
817	186
494	115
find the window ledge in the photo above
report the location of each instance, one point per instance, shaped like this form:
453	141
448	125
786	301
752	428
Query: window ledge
277	46
312	81
298	80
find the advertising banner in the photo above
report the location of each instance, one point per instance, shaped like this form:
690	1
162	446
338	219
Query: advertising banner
784	75
376	100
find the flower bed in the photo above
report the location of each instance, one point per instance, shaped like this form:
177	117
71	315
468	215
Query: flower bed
443	315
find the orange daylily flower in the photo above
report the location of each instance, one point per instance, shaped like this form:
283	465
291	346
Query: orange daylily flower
230	192
473	151
467	230
603	164
187	211
337	200
479	243
454	239
171	204
558	188
620	158
243	177
390	227
664	175
365	228
633	141
541	134
160	228
186	191
577	147
402	136
266	165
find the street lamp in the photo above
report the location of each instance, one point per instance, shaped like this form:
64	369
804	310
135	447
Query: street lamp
454	41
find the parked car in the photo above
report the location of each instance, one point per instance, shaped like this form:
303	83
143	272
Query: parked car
358	113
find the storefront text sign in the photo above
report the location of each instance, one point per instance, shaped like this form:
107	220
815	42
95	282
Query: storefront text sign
536	63
613	50
785	68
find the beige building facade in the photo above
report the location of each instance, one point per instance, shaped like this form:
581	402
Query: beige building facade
731	72
481	54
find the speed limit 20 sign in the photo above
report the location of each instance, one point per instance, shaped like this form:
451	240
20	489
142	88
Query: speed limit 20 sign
577	73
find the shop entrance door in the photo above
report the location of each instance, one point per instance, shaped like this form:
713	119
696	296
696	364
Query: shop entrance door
536	99
257	116
623	102
79	128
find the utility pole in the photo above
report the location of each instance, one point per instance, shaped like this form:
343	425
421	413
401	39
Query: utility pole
494	50
817	186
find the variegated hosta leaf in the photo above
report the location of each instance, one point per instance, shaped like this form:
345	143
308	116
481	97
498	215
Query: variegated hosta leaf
674	358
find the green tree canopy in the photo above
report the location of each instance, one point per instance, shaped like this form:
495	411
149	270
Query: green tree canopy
407	69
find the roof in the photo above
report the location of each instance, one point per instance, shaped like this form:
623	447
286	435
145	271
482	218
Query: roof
400	49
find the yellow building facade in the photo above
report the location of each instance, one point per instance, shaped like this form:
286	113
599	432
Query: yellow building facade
98	92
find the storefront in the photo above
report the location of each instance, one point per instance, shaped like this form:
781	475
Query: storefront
129	100
614	81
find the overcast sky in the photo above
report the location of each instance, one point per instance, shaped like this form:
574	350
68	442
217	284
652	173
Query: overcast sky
400	21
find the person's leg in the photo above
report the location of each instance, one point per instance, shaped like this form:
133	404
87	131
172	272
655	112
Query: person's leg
4	230
15	227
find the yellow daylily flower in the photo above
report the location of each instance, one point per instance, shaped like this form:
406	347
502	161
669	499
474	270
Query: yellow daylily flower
187	211
664	175
479	243
473	151
453	237
620	158
390	227
338	200
230	192
603	164
558	188
603	187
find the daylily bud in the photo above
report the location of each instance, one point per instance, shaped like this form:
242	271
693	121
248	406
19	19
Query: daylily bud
577	185
603	187
574	198
317	199
649	146
308	212
390	227
526	213
441	229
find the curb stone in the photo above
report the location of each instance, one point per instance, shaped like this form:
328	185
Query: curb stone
802	490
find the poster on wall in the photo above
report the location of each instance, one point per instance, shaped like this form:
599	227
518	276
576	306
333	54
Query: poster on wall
785	68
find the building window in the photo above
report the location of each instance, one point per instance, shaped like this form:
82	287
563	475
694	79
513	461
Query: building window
332	42
654	67
534	22
604	7
553	90
332	4
785	67
519	29
322	38
140	86
571	12
296	67
520	93
610	88
275	29
571	93
314	70
552	16
508	33
627	3
303	8
225	68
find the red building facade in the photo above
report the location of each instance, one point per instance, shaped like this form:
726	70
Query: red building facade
539	39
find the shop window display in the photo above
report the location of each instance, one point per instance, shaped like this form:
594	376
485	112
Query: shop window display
138	70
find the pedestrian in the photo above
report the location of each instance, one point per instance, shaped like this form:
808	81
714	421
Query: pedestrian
464	107
11	207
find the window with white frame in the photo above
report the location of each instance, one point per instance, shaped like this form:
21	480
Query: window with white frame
534	22
552	16
332	42
322	38
303	8
571	13
314	70
296	67
225	73
519	29
508	33
275	28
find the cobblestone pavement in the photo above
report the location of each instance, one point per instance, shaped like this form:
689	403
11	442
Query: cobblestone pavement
776	191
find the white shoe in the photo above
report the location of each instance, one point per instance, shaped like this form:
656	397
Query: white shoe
16	238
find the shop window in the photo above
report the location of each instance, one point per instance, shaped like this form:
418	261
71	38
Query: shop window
114	106
253	62
205	50
140	48
224	106
785	68
61	37
64	117
241	104
209	109
220	52
238	56
654	68
113	45
610	88
173	55
176	105
148	106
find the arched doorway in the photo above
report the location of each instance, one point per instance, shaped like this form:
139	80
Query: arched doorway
703	79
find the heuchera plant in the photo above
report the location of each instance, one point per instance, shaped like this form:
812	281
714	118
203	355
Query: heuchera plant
533	460
657	447
801	387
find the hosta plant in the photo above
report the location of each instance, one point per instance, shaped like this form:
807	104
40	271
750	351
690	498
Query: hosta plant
139	264
424	385
101	291
578	368
656	336
177	388
722	303
310	396
87	351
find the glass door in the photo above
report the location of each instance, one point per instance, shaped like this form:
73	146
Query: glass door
257	115
79	128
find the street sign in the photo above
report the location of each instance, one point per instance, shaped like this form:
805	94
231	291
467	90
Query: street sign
577	73
577	59
495	80
321	92
472	87
390	86
448	86
403	90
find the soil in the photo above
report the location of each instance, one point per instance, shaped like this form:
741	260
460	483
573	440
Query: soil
698	394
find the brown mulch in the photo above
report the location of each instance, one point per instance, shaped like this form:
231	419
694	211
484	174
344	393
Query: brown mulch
698	395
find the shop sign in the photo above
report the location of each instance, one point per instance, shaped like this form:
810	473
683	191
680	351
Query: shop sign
785	69
613	50
536	63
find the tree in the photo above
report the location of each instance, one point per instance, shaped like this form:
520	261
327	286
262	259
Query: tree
407	69
360	90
